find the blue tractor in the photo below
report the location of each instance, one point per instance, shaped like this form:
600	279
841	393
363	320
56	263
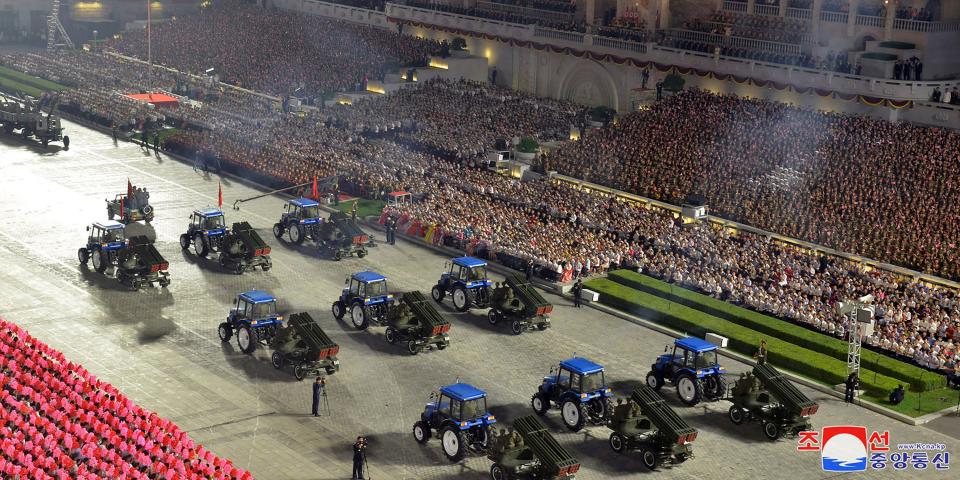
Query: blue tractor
693	368
464	279
254	319
365	298
104	243
579	389
205	232
300	219
459	417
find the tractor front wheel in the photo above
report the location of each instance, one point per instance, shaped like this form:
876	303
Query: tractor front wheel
437	294
278	230
690	390
337	309
454	443
225	332
421	432
83	255
246	339
654	381
540	404
184	241
574	414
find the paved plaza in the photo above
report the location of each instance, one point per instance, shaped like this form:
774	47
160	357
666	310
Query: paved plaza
160	347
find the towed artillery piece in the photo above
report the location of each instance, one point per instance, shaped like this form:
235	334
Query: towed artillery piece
239	248
136	260
519	303
579	390
459	416
768	397
415	322
22	114
645	423
465	280
306	346
340	236
529	452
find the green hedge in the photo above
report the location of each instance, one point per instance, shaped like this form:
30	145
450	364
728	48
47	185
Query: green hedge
781	353
880	56
898	45
918	378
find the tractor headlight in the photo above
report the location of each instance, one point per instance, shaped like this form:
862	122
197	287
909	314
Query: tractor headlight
699	372
583	395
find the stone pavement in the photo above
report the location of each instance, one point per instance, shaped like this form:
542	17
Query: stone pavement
161	347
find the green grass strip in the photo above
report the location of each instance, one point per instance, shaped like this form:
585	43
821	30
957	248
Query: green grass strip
35	82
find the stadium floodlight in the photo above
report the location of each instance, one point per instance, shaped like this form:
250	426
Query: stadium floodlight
209	71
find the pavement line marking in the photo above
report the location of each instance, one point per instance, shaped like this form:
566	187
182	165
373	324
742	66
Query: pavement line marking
48	259
231	422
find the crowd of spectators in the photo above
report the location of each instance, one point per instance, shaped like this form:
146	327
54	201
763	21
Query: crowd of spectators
58	421
561	6
275	51
482	11
758	27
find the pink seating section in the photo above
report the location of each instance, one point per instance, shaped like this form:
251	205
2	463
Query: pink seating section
58	421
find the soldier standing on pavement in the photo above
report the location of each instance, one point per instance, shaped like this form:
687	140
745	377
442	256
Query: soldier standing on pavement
156	142
143	140
359	452
318	387
353	210
113	130
577	293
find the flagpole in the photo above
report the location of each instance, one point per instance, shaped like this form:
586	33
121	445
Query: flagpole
149	46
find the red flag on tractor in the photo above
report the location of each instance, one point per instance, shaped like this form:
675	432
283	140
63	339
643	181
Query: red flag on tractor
129	188
315	194
219	195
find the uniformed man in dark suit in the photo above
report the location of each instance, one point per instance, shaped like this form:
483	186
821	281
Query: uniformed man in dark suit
318	387
359	452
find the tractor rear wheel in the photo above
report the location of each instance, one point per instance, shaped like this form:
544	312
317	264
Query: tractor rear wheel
516	327
277	360
225	332
83	255
771	430
461	300
359	317
540	404
574	414
337	309
199	246
736	415
184	241
299	372
246	339
497	472
437	294
100	261
296	234
617	442
391	335
654	381
454	443
689	389
421	432
649	458
278	231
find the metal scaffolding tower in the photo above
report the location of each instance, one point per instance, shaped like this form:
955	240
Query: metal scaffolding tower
54	27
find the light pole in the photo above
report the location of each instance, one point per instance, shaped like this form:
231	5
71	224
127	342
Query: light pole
95	40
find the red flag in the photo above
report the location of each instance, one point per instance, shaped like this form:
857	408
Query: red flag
316	195
219	195
129	188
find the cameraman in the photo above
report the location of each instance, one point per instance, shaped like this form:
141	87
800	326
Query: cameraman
359	452
318	388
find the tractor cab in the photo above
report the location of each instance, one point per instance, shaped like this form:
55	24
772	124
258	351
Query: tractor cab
579	389
472	272
210	221
580	377
690	355
107	235
462	403
256	307
367	287
304	210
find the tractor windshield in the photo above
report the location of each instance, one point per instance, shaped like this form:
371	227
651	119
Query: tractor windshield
707	359
263	310
376	289
310	212
112	235
477	273
474	408
592	382
213	223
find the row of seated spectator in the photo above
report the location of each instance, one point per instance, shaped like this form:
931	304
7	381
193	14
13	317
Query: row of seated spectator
835	62
761	27
501	16
912	13
562	6
633	28
377	5
58	421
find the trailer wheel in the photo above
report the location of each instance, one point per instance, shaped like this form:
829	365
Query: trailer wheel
246	339
359	317
494	316
135	285
442	345
277	360
83	255
337	309
736	415
689	389
421	432
278	231
771	430
574	414
391	335
516	327
497	472
225	332
654	381
540	404
239	269
299	372
617	442
100	261
331	370
437	294
184	241
361	253
461	301
453	442
199	246
649	458
337	255
412	347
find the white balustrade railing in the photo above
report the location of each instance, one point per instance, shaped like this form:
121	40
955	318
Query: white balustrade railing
799	13
925	27
618	44
739	7
834	17
558	35
870	21
738	42
529	12
768	10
